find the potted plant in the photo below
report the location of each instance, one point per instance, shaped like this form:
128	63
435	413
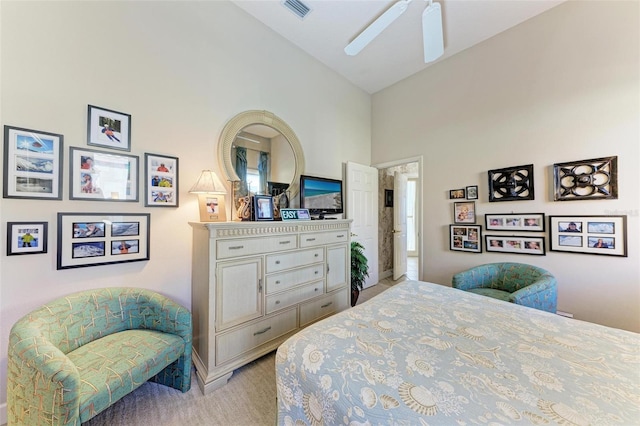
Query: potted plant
359	270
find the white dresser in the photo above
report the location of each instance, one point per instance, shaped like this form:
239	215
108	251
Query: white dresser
256	283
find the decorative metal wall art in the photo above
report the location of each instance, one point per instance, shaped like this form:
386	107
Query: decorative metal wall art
595	179
511	184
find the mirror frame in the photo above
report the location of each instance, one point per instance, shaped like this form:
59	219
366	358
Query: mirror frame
247	118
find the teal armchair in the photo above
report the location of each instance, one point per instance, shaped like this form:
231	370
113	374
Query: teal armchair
75	356
518	283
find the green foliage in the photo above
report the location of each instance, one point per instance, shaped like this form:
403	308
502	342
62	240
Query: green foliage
359	266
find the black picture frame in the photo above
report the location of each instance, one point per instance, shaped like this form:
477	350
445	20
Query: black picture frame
107	128
263	207
600	235
466	238
32	165
17	232
103	176
388	197
595	179
511	184
472	192
94	239
515	244
524	222
161	186
457	194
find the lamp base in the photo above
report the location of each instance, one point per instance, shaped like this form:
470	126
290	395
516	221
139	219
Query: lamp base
212	208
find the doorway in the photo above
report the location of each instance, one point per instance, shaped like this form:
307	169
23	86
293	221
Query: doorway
411	169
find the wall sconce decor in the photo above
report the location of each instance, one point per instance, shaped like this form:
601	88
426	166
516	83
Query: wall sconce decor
211	193
511	184
595	179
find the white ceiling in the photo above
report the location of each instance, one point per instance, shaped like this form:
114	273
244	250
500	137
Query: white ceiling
398	52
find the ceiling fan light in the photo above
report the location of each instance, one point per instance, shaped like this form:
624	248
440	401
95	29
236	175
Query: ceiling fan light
432	32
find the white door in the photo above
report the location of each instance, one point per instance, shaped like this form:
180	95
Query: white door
399	225
362	207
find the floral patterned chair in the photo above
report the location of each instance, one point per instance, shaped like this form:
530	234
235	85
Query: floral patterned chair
518	283
77	355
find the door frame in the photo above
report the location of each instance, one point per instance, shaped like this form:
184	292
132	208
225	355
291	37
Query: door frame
419	207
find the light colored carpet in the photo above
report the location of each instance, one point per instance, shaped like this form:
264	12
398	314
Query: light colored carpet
248	399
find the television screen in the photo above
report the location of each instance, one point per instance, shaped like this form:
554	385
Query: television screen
321	195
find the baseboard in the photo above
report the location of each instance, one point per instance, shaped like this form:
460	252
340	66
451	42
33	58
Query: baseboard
3	414
386	274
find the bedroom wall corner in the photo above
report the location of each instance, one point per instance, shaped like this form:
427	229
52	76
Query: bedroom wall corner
563	86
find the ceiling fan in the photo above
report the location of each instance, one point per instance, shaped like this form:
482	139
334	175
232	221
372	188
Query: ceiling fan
431	29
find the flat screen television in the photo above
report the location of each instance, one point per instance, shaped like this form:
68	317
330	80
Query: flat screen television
321	195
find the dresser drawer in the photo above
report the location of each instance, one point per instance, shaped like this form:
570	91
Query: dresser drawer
328	305
279	301
285	280
235	343
282	261
247	246
321	238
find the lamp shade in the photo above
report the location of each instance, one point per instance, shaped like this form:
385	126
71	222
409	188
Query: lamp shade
208	183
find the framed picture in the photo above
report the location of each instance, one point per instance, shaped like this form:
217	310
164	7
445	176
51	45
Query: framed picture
456	194
529	222
109	129
26	238
388	197
465	238
93	239
464	212
472	192
595	179
32	164
102	176
606	235
511	184
160	181
212	208
263	207
515	244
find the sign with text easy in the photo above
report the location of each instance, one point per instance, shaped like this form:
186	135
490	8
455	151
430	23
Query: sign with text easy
295	214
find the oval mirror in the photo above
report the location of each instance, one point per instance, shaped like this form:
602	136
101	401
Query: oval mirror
259	153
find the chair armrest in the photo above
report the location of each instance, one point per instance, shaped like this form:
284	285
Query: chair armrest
541	293
41	380
477	277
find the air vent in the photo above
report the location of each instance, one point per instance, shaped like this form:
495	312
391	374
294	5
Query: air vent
296	6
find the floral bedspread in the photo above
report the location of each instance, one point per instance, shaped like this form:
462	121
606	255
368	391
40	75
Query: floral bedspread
426	354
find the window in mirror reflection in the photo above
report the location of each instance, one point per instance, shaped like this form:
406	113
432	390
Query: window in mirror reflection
253	181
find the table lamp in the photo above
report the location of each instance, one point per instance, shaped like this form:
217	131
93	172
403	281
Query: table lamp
211	193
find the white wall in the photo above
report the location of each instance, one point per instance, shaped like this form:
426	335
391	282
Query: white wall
560	87
181	69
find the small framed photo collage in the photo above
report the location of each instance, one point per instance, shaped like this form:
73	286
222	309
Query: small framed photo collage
33	169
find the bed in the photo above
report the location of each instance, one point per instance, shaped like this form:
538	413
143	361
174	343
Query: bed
426	354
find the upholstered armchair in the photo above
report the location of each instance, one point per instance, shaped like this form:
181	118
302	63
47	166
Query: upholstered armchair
77	355
518	283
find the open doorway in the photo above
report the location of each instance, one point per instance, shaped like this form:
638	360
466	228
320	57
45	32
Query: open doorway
388	231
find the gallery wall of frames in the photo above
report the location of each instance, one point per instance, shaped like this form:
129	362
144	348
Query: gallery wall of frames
105	170
526	233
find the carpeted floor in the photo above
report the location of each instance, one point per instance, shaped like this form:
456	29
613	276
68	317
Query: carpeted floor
248	399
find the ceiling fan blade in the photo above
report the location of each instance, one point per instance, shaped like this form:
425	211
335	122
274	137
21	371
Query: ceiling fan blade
432	32
376	27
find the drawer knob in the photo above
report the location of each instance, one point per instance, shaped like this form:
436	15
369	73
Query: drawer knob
315	272
316	255
262	331
277	302
285	242
278	282
340	236
315	289
235	247
311	239
326	305
277	262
